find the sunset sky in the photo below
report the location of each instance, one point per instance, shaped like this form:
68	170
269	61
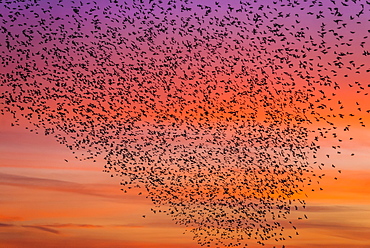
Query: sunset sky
48	202
99	75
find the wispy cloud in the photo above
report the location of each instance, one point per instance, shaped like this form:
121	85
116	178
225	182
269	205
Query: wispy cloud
333	225
333	208
6	225
50	184
18	180
128	226
10	218
51	227
69	225
343	229
99	190
42	228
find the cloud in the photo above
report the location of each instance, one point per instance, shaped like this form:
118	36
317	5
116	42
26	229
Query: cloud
33	181
6	225
48	184
10	218
99	190
332	226
128	226
334	208
42	228
339	229
69	225
50	227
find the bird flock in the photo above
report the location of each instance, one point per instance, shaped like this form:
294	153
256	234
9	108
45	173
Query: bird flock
214	110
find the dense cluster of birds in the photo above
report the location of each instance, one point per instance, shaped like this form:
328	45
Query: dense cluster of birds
212	109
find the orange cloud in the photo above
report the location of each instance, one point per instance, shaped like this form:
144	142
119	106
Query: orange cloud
10	218
6	225
92	189
127	226
42	228
69	225
42	183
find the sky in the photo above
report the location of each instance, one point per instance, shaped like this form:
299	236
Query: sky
48	202
97	99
